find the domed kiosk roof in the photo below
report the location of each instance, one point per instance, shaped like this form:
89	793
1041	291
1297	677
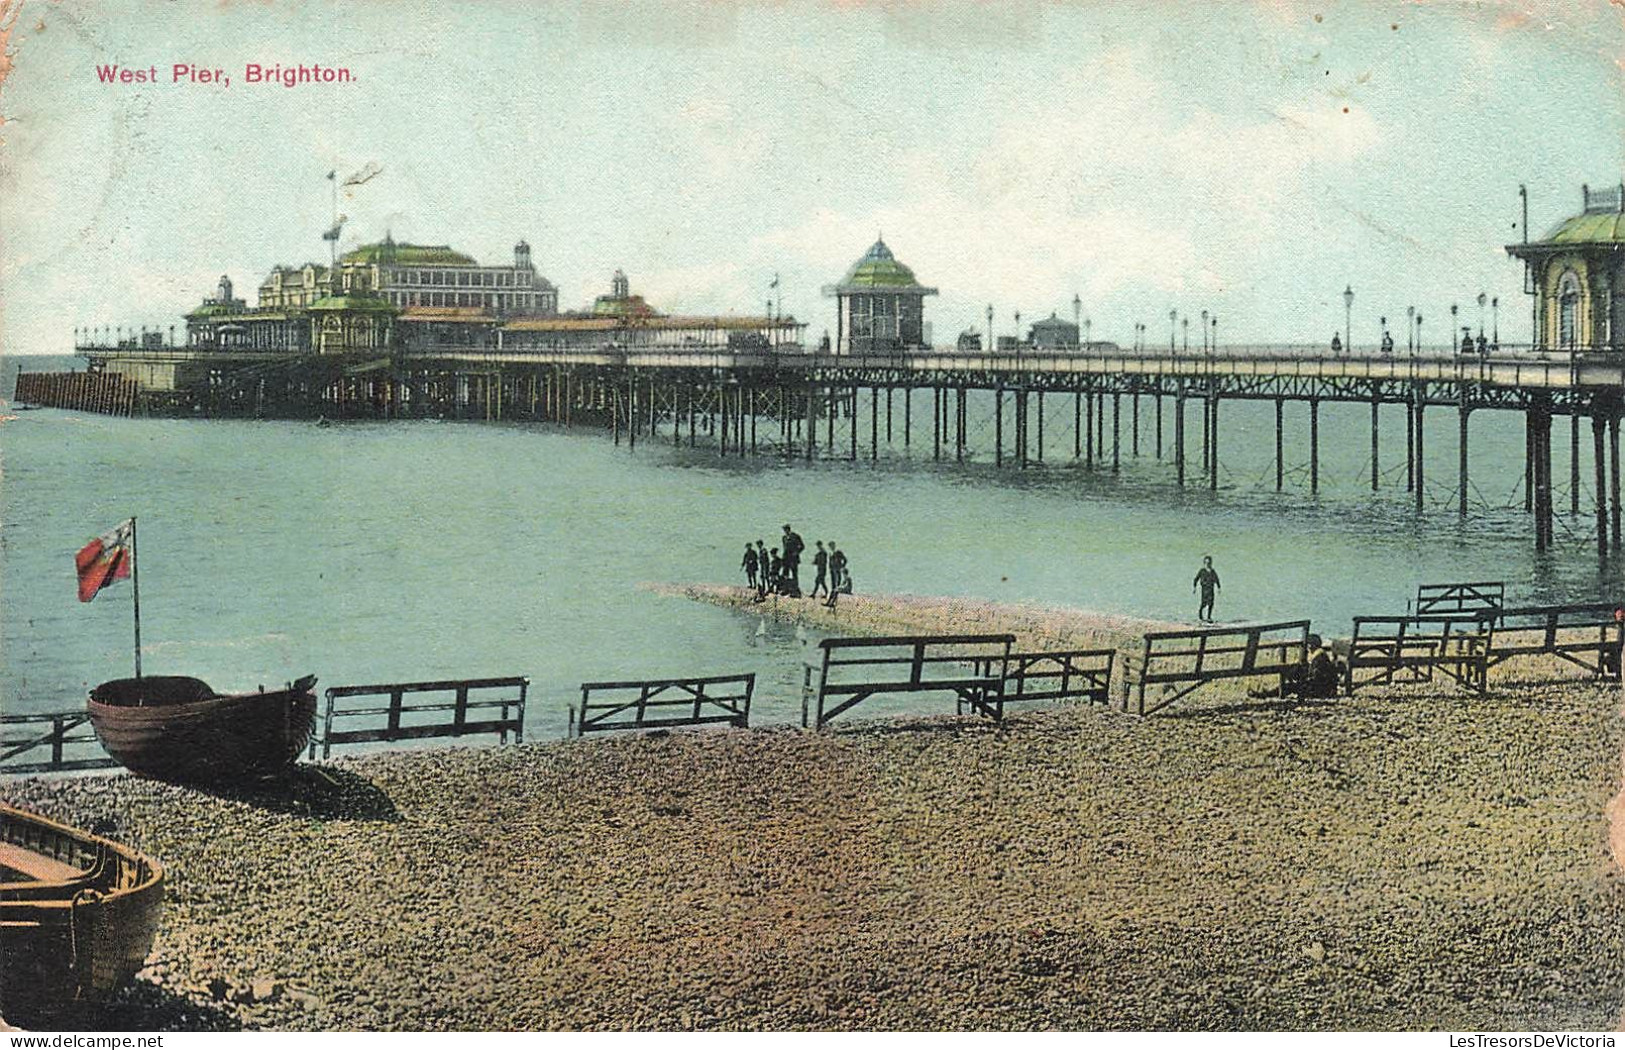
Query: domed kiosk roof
879	270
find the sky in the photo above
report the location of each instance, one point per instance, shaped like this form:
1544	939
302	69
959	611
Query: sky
1251	159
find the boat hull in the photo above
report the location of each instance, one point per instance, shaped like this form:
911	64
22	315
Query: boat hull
70	940
190	735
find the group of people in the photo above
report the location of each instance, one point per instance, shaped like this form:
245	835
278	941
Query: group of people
778	571
1469	345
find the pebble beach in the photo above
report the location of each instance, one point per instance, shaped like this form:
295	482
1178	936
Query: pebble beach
1412	857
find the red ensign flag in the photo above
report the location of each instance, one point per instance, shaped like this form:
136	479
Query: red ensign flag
103	560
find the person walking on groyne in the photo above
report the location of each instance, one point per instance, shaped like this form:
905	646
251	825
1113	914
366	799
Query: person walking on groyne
793	546
761	569
820	563
839	584
1208	581
749	565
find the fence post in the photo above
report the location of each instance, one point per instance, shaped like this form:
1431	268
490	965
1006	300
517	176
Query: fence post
519	723
56	740
459	714
327	728
396	698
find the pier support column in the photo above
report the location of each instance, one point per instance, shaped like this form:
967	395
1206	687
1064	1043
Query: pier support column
888	415
1418	407
834	400
1134	423
1213	459
1279	471
1613	476
908	417
1159	420
1179	435
1574	459
874	422
1462	415
959	425
1528	465
1374	404
1021	428
1540	442
1089	428
1410	449
1117	412
1077	425
1314	446
812	423
1100	424
1599	459
1040	426
998	426
852	423
936	423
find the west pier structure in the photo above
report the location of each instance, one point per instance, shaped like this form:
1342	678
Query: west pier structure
749	386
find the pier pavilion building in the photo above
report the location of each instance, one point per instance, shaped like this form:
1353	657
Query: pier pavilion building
1577	276
879	306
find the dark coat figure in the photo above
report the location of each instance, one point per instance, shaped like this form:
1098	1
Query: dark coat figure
1337	345
793	546
840	580
1483	346
821	563
1208	581
1466	342
1387	343
762	569
775	572
749	565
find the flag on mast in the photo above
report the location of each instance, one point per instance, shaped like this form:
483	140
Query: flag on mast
105	560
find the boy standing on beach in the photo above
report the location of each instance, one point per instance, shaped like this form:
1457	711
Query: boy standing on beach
1208	581
821	563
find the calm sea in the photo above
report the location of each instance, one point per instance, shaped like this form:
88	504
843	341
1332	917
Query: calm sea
396	551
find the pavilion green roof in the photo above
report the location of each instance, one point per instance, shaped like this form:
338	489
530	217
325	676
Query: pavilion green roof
403	254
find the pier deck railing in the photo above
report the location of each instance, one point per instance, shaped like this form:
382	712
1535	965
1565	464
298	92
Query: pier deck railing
413	711
1387	650
1459	597
48	743
1586	634
972	667
663	703
1184	661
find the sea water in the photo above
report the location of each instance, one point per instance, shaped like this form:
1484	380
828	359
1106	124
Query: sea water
410	550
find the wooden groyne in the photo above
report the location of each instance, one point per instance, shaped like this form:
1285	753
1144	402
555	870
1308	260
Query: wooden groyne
105	392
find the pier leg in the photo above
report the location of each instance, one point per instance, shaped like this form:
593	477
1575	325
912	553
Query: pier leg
1410	450
1418	407
908	416
1117	411
631	411
1207	436
1461	457
1543	476
1077	425
936	423
1159	421
719	408
1613	476
812	423
1279	407
888	416
1134	424
1528	463
1100	424
1314	446
1599	458
1374	443
852	425
998	426
1213	462
1179	435
874	422
960	396
1574	460
1040	426
1089	429
1021	428
834	409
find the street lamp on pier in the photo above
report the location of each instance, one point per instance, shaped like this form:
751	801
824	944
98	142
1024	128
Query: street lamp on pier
1348	311
1419	333
1410	329
1077	316
1383	342
1204	331
1453	344
1173	329
1213	347
1185	333
1481	301
1495	316
1018	340
991	346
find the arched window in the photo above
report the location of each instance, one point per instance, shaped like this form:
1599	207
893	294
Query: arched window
1568	310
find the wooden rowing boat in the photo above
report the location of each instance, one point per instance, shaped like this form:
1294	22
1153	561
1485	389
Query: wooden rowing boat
77	915
174	728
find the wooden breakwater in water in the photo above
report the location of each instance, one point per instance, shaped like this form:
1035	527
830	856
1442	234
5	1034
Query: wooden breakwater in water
105	392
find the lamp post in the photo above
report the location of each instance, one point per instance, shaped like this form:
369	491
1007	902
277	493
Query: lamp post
1185	333
1348	311
1382	343
1204	331
991	346
1481	301
1086	324
1453	344
1018	340
1495	316
1410	329
1077	315
1418	333
1173	328
1213	347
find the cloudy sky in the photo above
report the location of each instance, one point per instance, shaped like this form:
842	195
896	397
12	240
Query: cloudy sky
1248	158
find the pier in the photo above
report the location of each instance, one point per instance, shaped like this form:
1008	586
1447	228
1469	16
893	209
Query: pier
788	403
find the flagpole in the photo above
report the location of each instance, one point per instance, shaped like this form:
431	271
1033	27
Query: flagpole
135	581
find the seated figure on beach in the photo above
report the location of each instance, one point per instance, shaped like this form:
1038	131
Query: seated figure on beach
1318	678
